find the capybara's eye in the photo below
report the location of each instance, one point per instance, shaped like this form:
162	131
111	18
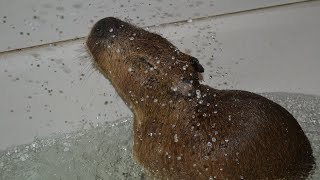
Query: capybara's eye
143	60
143	64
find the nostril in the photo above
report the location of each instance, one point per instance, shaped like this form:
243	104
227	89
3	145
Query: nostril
107	27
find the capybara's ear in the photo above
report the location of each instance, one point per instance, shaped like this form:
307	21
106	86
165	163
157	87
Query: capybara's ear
197	66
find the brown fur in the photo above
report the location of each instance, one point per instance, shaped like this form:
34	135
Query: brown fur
186	130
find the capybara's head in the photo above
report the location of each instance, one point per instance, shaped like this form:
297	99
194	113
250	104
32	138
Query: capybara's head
135	59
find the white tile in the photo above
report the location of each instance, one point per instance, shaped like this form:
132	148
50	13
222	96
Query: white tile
263	51
25	23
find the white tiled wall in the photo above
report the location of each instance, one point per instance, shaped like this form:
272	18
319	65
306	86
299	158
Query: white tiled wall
25	23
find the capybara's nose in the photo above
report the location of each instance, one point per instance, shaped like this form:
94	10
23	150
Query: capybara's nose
107	27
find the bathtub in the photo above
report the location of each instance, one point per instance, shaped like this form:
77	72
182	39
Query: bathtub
61	119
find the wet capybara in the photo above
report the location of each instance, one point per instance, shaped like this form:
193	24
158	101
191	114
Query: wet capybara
186	130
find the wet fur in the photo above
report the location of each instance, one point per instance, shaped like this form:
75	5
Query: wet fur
186	130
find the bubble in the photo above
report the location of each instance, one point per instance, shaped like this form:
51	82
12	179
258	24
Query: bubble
214	139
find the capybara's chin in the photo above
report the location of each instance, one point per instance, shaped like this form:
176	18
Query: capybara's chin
187	130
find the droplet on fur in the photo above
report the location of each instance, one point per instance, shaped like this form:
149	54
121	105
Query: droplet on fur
176	138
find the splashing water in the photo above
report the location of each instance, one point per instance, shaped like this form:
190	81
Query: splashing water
100	153
105	152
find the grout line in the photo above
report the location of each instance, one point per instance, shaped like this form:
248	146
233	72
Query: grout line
166	24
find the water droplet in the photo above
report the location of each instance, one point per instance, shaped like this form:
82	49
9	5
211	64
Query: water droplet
198	92
179	158
209	144
111	30
176	138
184	68
155	100
130	69
174	88
131	38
